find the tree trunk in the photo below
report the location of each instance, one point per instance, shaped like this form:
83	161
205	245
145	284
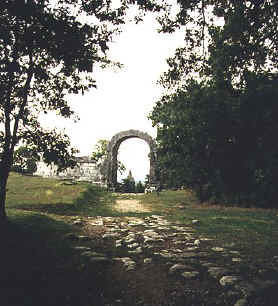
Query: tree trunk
3	191
5	167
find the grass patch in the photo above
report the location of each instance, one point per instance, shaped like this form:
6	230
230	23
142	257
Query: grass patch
254	232
30	190
225	224
51	196
39	266
56	197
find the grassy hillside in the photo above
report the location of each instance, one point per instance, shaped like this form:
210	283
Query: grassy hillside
53	196
23	189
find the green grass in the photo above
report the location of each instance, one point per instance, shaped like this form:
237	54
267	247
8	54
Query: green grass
31	190
249	228
254	232
55	196
39	267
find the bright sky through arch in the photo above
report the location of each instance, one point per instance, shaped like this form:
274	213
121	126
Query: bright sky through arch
133	153
123	99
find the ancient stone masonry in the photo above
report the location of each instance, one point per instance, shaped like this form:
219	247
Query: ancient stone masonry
85	170
110	165
105	173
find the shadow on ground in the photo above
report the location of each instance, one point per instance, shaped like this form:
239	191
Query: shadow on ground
39	267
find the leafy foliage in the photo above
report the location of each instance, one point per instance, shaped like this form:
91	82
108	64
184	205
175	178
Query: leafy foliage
216	129
223	40
212	142
100	154
100	150
128	184
25	160
139	187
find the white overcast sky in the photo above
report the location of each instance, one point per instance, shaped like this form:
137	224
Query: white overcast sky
123	99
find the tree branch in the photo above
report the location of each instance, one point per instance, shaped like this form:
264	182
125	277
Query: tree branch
25	101
204	24
7	109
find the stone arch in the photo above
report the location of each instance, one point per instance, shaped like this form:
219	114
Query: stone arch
110	165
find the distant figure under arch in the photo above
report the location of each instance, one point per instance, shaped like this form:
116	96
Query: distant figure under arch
110	165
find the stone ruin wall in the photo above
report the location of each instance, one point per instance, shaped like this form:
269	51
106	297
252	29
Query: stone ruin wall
85	170
104	174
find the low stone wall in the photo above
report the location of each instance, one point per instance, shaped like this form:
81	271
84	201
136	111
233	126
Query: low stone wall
85	170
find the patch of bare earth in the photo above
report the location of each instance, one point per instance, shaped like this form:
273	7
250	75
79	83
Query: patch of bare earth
130	206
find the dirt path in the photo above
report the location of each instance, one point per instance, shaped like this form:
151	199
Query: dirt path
151	261
148	260
130	206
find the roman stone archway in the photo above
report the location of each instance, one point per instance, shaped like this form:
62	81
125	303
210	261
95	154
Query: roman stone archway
110	168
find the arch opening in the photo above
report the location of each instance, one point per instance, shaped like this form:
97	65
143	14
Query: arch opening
134	155
112	156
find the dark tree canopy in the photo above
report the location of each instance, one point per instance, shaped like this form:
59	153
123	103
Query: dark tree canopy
217	124
25	160
223	40
139	187
128	184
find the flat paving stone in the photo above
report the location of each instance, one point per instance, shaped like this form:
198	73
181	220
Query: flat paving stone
188	255
81	248
217	272
110	235
218	249
178	268
104	260
229	280
236	259
147	260
190	274
92	254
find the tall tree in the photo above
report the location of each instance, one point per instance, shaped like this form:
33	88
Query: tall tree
139	187
212	129
128	183
47	50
